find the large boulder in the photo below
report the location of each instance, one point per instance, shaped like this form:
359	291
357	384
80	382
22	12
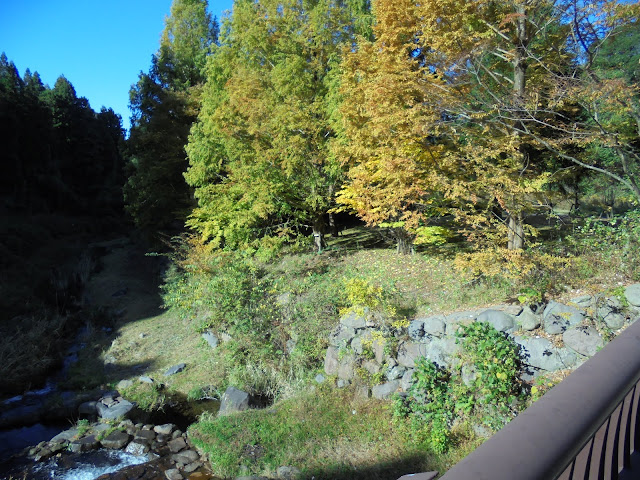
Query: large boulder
115	440
341	336
386	390
439	350
528	320
409	352
435	326
416	330
558	317
541	354
347	367
501	321
233	400
584	340
331	361
111	408
610	311
632	294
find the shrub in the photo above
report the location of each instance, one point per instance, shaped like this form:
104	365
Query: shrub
440	397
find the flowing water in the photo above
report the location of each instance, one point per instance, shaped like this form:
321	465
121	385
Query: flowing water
82	466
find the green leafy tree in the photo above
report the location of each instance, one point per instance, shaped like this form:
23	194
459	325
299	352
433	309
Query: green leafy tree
165	102
388	138
259	156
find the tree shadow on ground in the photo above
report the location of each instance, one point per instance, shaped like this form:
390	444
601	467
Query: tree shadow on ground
382	471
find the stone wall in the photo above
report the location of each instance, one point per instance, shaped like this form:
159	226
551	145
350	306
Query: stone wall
365	350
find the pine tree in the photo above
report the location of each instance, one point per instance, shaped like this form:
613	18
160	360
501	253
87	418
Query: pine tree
165	102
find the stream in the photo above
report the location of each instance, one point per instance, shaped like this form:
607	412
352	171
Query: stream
39	415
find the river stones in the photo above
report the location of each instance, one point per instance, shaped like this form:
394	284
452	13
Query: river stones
115	440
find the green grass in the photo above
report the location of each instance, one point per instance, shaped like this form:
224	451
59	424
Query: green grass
327	433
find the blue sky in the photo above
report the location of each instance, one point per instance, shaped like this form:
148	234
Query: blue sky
99	46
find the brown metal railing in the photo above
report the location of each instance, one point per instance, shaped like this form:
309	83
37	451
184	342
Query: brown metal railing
587	427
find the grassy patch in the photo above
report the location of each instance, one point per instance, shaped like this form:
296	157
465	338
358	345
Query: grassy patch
326	433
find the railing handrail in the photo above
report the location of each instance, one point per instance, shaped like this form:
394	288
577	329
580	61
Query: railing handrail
541	442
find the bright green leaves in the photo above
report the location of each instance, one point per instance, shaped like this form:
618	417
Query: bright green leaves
261	146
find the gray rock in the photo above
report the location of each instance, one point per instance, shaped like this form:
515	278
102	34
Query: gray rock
510	309
177	444
65	436
435	326
165	429
609	311
124	384
185	457
384	391
341	336
358	343
482	431
354	319
319	378
342	383
233	400
192	467
409	352
331	361
584	301
584	340
442	351
145	379
173	474
115	410
501	321
175	369
528	320
84	444
632	294
458	319
288	473
416	330
211	339
558	317
145	436
407	379
42	455
540	353
372	367
395	373
225	337
363	391
290	346
615	320
346	367
378	350
115	440
283	299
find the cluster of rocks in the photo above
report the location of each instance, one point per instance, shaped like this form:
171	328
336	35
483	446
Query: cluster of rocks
152	441
164	444
556	337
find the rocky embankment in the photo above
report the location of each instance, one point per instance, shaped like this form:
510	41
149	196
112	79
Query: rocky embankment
553	337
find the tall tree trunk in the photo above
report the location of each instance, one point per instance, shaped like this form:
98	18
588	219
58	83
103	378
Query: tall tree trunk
516	232
515	239
333	228
405	242
318	233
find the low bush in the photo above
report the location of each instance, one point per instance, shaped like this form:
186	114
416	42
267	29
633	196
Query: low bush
483	387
